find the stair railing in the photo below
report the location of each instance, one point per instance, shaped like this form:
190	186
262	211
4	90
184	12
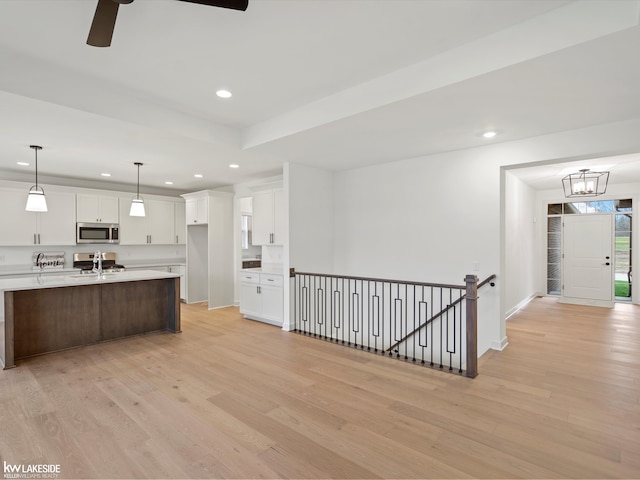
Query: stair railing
420	322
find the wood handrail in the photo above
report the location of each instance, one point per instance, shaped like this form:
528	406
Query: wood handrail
382	280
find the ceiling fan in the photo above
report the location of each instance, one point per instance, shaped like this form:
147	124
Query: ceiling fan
104	20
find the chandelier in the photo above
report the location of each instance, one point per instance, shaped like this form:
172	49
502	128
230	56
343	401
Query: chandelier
585	183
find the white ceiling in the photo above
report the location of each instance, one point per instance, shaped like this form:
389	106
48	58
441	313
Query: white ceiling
333	83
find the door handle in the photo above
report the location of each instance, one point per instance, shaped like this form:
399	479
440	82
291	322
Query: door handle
606	263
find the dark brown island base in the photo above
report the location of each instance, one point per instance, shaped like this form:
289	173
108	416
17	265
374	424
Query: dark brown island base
70	311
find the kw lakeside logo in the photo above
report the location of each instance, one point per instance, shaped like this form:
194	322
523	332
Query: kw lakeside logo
40	470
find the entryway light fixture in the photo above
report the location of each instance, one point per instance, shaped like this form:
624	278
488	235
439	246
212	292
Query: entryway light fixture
585	183
36	201
137	204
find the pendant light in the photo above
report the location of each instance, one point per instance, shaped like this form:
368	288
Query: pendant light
36	202
585	183
137	204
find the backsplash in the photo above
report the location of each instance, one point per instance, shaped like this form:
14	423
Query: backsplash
23	256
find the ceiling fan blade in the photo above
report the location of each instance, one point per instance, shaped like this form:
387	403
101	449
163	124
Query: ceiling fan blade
233	4
104	21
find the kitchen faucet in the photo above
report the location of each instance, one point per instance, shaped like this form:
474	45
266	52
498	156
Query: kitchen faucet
97	258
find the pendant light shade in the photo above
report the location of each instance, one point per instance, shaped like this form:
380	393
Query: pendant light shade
137	204
36	201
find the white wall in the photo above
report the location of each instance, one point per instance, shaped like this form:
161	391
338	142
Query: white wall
424	219
521	253
431	218
310	219
310	222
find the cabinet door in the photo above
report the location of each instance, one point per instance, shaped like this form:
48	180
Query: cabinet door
278	217
58	225
161	222
197	210
133	230
262	218
87	209
108	209
96	208
18	225
181	223
272	307
250	301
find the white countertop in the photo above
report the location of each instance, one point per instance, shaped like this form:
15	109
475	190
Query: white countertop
152	263
269	270
74	280
27	270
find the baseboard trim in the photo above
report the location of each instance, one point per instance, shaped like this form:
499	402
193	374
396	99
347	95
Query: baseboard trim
520	305
501	345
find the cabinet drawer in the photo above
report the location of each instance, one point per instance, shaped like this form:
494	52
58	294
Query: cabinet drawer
269	279
249	277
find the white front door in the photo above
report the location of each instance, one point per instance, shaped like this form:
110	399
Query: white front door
588	257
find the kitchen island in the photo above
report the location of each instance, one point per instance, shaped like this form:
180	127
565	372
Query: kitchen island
47	313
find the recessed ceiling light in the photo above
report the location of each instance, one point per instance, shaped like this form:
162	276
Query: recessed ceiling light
168	183
223	93
105	174
234	165
489	134
24	164
198	175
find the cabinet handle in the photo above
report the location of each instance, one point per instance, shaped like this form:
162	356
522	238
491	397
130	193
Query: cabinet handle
195	221
177	239
39	239
259	291
35	241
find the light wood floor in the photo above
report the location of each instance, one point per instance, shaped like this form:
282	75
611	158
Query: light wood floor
231	398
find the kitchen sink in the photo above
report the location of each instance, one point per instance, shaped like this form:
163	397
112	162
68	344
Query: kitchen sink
92	275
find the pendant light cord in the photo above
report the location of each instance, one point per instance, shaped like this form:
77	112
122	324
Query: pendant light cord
138	164
36	148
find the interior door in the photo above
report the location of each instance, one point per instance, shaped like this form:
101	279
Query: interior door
588	257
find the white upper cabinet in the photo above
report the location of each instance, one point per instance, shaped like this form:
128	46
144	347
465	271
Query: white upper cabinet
181	223
57	226
268	218
97	208
162	223
157	227
197	210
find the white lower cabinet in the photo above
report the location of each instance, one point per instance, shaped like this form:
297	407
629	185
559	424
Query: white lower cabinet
261	297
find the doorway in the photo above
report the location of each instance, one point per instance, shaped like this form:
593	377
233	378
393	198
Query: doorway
589	251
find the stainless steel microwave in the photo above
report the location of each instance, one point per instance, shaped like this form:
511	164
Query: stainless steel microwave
97	233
